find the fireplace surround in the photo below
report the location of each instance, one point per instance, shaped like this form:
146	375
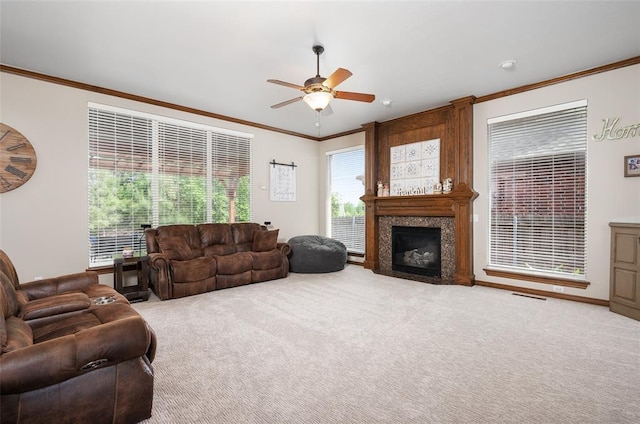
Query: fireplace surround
451	212
447	246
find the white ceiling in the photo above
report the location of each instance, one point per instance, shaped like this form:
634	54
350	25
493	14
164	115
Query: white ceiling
216	56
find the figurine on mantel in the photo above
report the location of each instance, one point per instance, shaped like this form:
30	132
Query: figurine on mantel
380	188
385	190
447	185
437	188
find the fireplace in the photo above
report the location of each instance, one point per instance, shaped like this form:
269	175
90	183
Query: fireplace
451	211
446	227
416	250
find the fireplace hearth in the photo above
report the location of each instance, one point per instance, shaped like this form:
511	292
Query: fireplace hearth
416	250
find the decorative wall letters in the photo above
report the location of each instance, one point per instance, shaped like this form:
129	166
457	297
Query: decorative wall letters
611	131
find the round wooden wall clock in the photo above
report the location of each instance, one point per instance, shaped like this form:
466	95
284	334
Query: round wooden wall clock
17	159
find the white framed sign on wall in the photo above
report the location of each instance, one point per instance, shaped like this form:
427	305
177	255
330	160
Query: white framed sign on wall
415	168
282	182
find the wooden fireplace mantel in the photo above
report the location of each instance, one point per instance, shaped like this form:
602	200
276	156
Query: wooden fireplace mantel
424	205
453	126
457	204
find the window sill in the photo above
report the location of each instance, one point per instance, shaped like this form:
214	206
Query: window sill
537	278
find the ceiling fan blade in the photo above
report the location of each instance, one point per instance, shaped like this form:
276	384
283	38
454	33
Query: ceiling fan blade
359	97
288	102
286	84
337	77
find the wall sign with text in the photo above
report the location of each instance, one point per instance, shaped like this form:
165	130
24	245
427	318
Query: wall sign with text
283	182
613	130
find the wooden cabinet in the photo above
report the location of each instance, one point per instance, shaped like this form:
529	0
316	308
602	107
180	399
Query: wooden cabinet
624	291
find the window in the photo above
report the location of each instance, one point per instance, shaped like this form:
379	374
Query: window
537	185
145	169
346	185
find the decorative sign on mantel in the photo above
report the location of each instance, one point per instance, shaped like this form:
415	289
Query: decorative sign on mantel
415	168
611	131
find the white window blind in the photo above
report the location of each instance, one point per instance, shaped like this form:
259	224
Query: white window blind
346	175
120	152
538	192
148	170
231	170
182	175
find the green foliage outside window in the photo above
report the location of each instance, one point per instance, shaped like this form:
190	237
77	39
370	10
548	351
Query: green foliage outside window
124	200
340	209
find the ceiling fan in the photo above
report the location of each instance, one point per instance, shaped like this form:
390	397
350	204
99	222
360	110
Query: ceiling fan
320	91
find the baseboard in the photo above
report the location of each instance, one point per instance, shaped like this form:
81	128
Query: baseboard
590	300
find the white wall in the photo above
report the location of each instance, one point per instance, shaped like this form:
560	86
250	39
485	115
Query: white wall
614	94
43	225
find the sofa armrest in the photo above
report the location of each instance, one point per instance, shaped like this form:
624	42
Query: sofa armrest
59	285
158	260
285	248
123	335
54	305
160	275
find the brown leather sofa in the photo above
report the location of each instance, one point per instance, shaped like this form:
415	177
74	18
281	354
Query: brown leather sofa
190	259
63	360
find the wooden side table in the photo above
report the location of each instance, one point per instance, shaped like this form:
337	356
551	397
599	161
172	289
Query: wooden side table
140	291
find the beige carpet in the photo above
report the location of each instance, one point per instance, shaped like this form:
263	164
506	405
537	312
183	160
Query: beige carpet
356	347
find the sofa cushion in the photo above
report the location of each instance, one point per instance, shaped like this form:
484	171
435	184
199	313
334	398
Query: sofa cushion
193	270
243	234
219	249
234	264
211	234
189	234
54	305
267	260
263	241
176	248
18	335
66	325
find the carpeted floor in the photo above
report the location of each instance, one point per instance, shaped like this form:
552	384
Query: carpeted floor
356	347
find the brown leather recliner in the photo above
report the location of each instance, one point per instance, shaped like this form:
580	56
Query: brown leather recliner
90	364
42	301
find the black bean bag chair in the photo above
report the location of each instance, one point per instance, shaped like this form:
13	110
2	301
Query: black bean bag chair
316	254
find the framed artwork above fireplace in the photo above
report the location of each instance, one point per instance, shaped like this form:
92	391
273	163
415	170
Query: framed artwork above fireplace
414	168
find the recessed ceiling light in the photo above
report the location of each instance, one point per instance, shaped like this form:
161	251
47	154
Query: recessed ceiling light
386	102
508	64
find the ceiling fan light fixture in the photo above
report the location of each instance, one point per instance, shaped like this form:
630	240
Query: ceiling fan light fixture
318	100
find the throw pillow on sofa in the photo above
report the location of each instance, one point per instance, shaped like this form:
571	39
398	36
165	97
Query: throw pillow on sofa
263	241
